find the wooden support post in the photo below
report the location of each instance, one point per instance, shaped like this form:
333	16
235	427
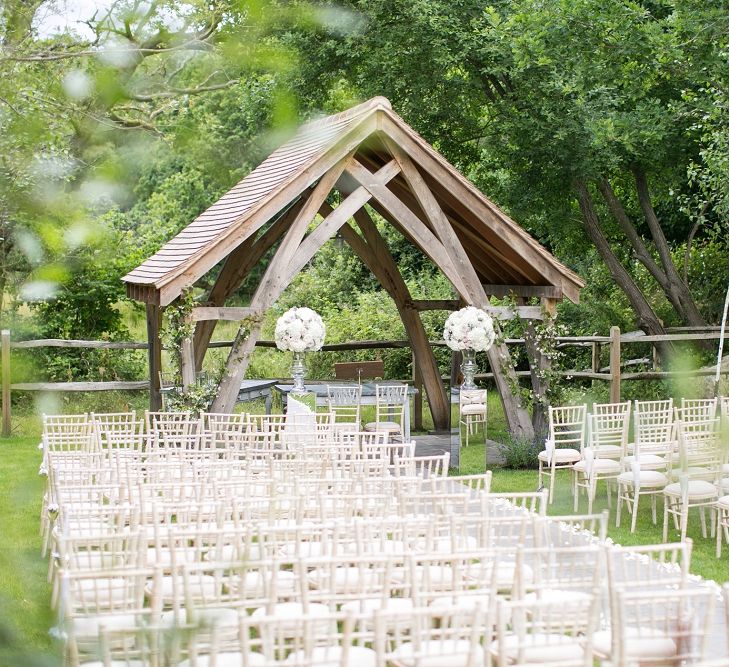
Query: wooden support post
418	398
6	381
154	355
187	364
614	364
456	360
235	367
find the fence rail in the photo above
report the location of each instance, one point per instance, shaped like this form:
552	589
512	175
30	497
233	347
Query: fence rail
615	374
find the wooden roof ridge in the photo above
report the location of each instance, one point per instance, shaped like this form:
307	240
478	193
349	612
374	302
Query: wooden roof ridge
296	165
500	213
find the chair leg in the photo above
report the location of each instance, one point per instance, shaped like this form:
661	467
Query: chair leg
551	484
575	491
702	514
666	509
653	508
719	536
634	518
684	521
608	488
619	506
591	491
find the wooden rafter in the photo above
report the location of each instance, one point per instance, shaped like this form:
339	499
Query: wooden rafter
236	268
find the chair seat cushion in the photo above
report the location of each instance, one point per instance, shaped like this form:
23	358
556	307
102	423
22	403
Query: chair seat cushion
293	612
599	465
608	451
90	626
342	579
694	472
566	455
333	656
473	409
723	502
697	488
650	478
393	427
643	643
542	648
645	460
433	653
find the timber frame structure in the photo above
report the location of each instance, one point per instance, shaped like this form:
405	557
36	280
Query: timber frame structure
370	156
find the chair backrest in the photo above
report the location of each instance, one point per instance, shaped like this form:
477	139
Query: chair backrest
473	397
654	421
343	402
698	409
609	424
567	426
170	423
655	427
66	424
391	400
699	445
682	618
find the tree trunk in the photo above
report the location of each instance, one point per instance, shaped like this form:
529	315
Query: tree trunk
647	319
676	286
538	363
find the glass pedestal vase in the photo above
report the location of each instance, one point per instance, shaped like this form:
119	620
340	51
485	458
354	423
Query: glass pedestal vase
468	368
298	370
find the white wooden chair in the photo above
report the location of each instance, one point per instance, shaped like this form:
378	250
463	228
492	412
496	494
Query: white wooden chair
344	402
564	444
658	627
431	636
530	632
607	437
473	408
391	403
700	469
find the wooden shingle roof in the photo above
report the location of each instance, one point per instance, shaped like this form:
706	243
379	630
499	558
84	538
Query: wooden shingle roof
501	251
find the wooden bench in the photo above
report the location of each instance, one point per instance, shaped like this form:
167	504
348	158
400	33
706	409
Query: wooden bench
356	370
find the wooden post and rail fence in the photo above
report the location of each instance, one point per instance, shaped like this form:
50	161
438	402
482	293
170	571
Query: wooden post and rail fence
614	373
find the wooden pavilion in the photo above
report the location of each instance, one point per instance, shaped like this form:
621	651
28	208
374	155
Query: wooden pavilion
371	157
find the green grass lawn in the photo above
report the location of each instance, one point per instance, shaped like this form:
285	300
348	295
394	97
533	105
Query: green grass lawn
25	613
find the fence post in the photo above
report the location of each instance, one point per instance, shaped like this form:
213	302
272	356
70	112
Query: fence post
5	354
418	398
614	364
596	357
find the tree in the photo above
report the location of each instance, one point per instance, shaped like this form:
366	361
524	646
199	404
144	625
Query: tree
580	104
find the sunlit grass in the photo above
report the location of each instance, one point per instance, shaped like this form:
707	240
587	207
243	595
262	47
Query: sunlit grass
26	615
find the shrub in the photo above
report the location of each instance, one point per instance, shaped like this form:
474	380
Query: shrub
520	453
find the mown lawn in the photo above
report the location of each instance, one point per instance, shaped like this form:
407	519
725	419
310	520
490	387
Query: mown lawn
25	614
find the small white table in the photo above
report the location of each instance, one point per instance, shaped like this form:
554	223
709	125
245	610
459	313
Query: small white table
369	396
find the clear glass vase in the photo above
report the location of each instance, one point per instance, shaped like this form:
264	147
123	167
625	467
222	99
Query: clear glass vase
298	370
468	368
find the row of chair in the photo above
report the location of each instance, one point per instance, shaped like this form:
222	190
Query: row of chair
320	553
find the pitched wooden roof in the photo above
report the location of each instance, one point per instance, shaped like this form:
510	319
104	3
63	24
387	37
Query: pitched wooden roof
500	250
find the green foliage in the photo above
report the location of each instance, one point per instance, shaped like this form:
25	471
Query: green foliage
520	453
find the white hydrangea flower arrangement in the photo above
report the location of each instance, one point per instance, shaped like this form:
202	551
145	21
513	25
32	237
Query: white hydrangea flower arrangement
300	330
469	329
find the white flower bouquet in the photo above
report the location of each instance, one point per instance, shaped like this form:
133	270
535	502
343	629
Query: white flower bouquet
469	329
300	330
